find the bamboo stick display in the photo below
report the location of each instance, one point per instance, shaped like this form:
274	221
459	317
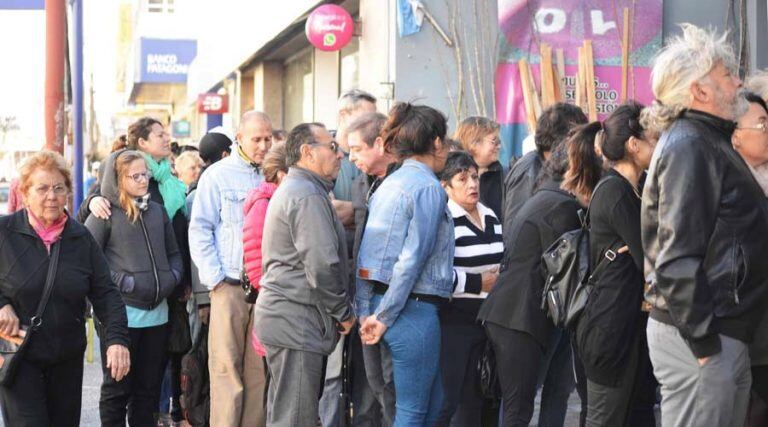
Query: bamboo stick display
529	93
625	56
560	53
589	66
579	98
536	96
546	76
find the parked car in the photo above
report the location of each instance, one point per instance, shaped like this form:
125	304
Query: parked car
4	194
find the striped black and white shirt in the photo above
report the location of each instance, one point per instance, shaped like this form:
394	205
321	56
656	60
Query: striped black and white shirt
477	249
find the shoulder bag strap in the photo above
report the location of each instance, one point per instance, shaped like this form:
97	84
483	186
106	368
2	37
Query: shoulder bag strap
608	256
37	319
589	207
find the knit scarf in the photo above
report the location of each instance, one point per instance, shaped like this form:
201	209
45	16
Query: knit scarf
171	188
49	235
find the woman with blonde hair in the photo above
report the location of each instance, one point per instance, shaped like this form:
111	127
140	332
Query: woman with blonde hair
140	246
479	136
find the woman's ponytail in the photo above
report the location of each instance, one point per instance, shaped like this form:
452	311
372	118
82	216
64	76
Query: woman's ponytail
585	166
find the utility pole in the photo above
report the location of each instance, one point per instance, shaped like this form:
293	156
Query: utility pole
77	98
55	39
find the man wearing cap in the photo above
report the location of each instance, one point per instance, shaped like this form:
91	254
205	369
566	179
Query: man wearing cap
215	236
214	146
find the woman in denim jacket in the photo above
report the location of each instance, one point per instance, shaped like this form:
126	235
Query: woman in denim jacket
405	264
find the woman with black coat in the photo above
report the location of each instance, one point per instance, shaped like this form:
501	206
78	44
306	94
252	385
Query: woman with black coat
610	335
146	265
47	388
517	326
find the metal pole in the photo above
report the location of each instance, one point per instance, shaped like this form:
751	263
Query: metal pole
77	95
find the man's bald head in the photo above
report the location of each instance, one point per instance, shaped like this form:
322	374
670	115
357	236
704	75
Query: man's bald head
254	116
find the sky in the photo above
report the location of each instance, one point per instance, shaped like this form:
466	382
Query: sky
22	68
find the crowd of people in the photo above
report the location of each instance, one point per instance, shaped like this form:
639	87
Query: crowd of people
384	274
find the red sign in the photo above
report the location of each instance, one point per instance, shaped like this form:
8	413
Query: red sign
212	103
329	27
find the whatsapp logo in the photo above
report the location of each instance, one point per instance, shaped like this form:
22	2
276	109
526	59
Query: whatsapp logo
329	39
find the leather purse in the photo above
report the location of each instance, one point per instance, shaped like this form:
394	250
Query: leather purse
12	348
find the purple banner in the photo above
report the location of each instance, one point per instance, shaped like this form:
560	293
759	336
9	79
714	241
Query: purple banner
526	24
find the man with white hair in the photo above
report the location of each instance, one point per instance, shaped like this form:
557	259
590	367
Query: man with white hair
216	245
703	228
351	105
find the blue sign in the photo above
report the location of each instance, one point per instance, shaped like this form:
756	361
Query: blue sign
165	60
22	4
181	129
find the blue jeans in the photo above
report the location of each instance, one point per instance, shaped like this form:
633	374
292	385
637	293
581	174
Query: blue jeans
414	342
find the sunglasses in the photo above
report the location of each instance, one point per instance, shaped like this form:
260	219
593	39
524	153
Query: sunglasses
333	146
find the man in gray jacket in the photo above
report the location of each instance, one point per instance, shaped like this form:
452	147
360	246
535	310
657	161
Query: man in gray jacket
303	305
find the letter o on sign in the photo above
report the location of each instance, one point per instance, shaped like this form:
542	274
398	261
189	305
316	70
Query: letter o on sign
550	20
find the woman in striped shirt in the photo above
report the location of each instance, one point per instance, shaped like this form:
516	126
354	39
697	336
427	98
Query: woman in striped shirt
479	249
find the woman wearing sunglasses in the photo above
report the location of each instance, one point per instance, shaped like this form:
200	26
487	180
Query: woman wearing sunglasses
141	250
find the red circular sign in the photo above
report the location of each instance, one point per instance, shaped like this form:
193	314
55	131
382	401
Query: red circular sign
329	27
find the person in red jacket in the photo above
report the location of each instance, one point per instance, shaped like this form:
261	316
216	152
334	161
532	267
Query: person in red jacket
274	169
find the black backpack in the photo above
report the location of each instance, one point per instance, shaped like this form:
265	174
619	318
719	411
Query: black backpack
195	383
568	278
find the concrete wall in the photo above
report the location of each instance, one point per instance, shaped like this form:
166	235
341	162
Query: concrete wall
713	13
326	87
379	31
421	67
426	68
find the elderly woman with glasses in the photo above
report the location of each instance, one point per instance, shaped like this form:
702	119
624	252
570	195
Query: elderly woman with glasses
479	136
750	140
47	385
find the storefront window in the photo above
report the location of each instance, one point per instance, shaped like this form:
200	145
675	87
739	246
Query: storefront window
298	90
349	67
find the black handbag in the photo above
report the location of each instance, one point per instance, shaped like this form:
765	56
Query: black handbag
179	337
251	293
11	350
489	378
569	280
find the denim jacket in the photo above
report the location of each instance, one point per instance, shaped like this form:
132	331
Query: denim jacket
216	224
408	242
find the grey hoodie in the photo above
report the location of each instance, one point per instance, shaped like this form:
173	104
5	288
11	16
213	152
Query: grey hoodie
144	258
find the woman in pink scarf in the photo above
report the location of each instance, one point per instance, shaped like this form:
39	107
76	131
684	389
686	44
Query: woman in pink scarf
47	387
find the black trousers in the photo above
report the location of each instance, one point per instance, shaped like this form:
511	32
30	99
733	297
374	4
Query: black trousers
519	358
760	381
138	394
462	344
44	395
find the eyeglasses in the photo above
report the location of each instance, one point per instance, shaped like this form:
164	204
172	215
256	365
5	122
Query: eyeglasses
762	127
58	190
333	146
141	176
